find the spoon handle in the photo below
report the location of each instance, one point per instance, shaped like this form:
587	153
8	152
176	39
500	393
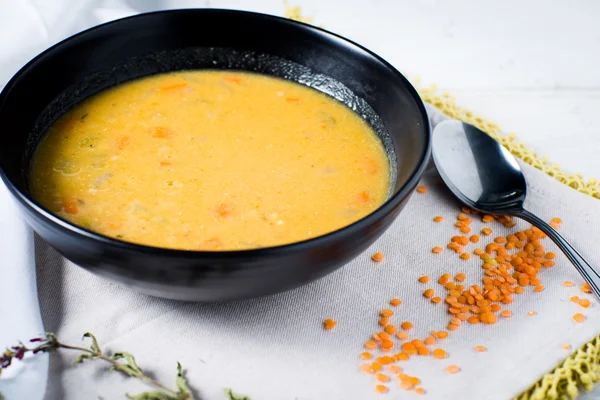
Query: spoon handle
589	273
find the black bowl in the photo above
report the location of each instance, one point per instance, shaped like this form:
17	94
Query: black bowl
217	39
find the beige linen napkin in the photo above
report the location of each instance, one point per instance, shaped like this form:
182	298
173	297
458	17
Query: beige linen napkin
275	348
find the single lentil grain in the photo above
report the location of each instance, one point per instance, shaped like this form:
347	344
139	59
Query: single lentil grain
329	324
406	325
439	353
381	389
585	303
378	257
453	369
579	317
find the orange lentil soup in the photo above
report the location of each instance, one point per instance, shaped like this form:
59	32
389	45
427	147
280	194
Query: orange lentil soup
210	160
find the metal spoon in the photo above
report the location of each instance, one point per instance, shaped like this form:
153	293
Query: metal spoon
485	176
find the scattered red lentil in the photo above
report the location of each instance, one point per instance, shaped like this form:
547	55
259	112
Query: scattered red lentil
395	302
381	389
510	263
419	390
329	324
378	257
579	317
585	303
586	288
487	218
486	231
443	279
406	325
390	329
442	335
376	366
423	351
566	346
387	344
568	284
381	377
394	369
439	353
421	189
386	312
453	369
531	313
575	299
437	250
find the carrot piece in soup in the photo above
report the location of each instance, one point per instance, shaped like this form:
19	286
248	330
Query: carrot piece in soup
122	142
173	86
160	132
233	79
71	206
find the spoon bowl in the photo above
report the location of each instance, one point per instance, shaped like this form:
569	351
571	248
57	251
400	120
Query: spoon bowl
485	176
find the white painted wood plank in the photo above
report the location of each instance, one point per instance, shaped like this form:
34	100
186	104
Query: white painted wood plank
468	43
561	124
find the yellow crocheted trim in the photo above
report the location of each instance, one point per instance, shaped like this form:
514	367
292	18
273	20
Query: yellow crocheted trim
295	13
582	368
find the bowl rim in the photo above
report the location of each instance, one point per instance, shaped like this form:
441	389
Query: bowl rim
365	221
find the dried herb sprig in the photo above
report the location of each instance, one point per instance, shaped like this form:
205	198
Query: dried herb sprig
234	396
122	361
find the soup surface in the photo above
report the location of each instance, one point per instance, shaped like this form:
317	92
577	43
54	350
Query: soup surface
210	160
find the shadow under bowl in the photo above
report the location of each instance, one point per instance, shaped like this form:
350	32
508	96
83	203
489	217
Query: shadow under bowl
166	41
